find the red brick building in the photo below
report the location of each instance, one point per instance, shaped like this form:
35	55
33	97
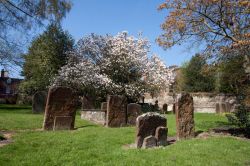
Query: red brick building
8	88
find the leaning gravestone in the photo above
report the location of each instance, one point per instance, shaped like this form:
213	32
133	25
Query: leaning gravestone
104	106
87	103
185	117
133	111
39	102
60	109
116	111
146	126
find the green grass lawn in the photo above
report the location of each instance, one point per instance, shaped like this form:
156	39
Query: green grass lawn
92	144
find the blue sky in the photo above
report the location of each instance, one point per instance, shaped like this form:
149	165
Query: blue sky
113	16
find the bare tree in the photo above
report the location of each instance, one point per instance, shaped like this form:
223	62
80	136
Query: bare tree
18	17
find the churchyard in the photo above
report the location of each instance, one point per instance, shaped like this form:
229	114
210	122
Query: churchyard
120	83
30	141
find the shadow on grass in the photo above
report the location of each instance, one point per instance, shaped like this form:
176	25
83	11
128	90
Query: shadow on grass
14	107
198	132
85	126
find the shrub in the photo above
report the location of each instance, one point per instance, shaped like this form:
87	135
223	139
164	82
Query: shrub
241	118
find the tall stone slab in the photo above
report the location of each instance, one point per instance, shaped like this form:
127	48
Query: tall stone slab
146	125
133	111
61	102
116	111
104	106
39	102
88	102
185	117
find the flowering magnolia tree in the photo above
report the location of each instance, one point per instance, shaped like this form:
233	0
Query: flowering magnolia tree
102	65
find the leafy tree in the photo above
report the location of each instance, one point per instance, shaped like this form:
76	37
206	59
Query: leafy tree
231	75
196	77
221	26
19	16
102	65
46	55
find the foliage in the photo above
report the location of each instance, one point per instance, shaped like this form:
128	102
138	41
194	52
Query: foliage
196	76
222	27
241	118
102	65
215	22
45	57
231	75
18	17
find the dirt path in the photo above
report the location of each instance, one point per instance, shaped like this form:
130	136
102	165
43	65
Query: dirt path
8	138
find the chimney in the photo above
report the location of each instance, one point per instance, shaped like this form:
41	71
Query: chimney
2	73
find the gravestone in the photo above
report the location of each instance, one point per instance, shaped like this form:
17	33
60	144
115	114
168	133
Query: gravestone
39	102
161	136
104	106
62	123
116	111
185	117
149	142
133	111
61	101
146	125
88	103
165	108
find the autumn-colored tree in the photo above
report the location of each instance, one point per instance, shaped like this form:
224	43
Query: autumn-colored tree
216	22
222	26
219	25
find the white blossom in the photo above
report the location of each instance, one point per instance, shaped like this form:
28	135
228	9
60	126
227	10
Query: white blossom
114	64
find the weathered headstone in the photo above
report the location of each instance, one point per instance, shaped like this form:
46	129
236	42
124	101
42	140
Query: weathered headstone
217	110
146	125
161	136
87	103
185	117
174	108
165	108
149	142
39	102
62	123
133	111
61	101
104	106
116	111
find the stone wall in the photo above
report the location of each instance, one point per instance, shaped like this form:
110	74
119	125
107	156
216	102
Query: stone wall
94	115
203	102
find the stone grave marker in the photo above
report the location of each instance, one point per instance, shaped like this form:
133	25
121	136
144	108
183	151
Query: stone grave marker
104	106
149	142
133	111
116	111
39	102
161	136
61	101
62	123
185	117
146	125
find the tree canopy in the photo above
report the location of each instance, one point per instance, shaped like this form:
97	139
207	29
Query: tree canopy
217	23
18	17
113	65
46	55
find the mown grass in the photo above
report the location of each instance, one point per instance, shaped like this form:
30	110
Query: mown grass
92	144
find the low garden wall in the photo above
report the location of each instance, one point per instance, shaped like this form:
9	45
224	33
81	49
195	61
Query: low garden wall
95	115
203	102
